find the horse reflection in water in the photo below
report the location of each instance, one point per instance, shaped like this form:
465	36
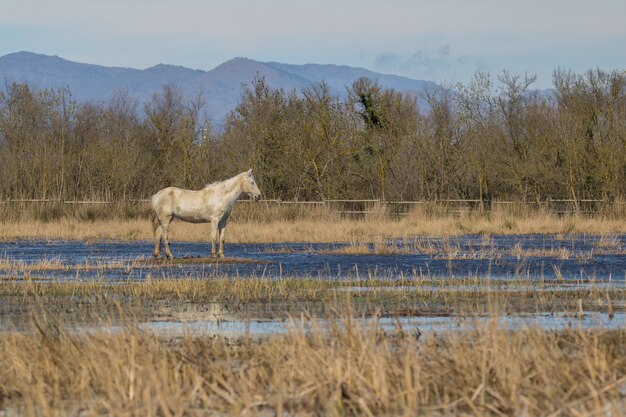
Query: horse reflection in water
212	204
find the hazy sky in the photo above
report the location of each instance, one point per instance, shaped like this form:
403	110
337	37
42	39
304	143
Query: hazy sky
440	40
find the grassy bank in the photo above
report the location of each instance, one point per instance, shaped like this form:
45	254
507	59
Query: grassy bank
346	369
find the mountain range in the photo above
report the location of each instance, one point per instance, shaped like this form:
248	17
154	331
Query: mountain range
220	87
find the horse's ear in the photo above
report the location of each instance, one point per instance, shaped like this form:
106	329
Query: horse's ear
250	172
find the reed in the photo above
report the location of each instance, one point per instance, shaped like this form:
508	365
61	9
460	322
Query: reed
248	296
296	222
335	368
315	230
445	248
7	264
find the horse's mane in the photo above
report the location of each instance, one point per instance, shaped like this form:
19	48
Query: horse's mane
216	183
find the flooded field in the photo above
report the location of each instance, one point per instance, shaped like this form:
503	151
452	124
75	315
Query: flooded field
545	257
103	319
426	283
418	325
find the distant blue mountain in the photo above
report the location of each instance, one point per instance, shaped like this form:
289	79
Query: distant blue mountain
220	87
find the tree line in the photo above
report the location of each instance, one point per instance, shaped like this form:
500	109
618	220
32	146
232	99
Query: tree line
486	139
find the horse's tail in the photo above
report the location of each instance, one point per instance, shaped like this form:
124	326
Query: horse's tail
155	223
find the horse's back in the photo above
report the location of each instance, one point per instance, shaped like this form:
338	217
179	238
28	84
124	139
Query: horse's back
162	196
187	205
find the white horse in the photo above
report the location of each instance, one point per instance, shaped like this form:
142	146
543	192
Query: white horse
212	204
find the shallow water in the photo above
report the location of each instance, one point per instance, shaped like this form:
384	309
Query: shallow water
572	261
546	257
415	326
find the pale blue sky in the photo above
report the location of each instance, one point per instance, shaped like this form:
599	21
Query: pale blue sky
441	40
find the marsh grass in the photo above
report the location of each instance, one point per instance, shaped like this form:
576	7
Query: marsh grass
340	368
408	296
263	222
327	364
447	249
53	211
610	243
7	264
22	268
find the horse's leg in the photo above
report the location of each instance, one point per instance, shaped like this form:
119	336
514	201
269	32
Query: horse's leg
158	233
214	234
222	233
165	226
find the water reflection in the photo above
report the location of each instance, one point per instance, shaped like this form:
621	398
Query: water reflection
416	326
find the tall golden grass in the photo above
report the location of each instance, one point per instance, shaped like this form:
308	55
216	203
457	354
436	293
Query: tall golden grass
340	369
332	366
253	224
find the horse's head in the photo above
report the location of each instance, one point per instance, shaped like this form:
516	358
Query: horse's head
250	187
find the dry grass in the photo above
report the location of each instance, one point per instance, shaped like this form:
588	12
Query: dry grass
341	369
416	295
609	243
330	366
68	229
7	264
446	248
263	222
317	228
